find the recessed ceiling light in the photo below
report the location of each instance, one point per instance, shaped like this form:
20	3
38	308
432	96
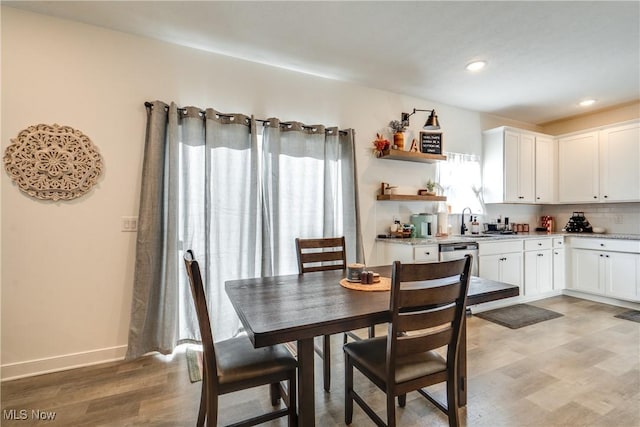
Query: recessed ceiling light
587	102
476	65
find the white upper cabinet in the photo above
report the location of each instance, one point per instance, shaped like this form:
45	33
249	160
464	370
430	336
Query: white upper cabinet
578	168
600	166
509	166
620	163
545	172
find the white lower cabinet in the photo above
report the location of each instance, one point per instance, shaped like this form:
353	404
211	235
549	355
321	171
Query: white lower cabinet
559	268
621	275
538	272
501	261
406	253
538	266
586	271
609	273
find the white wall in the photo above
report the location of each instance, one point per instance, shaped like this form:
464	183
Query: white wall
67	270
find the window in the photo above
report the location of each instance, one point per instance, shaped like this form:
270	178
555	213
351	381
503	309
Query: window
461	180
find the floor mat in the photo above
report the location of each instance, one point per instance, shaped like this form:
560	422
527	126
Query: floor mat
519	315
194	363
633	315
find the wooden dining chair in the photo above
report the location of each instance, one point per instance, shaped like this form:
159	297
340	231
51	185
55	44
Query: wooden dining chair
321	255
427	313
234	365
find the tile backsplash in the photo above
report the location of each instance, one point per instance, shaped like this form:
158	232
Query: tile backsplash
621	218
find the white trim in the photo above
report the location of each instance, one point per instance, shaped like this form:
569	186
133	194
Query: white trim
602	299
12	371
479	308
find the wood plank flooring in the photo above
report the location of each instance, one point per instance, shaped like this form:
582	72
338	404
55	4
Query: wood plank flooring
582	369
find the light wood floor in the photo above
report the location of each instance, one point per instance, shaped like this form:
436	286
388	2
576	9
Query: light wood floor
578	370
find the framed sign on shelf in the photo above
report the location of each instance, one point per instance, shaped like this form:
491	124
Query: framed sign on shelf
431	142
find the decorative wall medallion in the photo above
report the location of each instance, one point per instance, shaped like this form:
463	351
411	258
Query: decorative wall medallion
53	162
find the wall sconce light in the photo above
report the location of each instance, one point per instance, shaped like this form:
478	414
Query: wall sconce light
431	123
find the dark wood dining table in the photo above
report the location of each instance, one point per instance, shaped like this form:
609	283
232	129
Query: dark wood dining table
282	309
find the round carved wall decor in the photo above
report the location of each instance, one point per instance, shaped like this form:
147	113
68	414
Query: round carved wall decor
53	162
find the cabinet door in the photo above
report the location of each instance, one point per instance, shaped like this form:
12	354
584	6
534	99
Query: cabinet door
621	279
559	269
545	170
489	267
511	166
519	167
619	163
578	168
511	269
537	272
586	270
390	252
526	169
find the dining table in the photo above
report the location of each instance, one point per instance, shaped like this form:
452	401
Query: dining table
299	307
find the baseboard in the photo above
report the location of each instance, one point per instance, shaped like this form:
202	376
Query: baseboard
12	371
599	298
569	292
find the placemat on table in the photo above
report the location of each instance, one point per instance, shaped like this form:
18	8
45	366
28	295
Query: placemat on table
383	285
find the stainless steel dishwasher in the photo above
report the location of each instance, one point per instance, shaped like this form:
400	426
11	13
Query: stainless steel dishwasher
450	251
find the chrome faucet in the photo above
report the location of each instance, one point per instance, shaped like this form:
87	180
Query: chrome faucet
463	227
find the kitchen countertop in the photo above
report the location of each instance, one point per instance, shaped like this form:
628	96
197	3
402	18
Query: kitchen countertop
494	237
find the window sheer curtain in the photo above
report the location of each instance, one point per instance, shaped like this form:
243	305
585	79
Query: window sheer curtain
309	191
461	180
211	184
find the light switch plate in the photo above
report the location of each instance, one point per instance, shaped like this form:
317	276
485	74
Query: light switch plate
129	223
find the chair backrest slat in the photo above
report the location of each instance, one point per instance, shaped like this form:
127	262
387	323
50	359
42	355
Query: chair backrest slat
426	319
321	254
435	296
428	303
419	344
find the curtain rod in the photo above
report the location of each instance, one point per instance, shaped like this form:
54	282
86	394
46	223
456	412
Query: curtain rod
181	109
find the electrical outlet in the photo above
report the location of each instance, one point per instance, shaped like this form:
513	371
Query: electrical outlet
129	223
617	219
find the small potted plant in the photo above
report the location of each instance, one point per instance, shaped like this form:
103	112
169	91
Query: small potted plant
430	190
398	135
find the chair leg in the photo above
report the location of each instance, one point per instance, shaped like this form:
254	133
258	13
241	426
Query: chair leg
372	331
452	402
326	359
348	390
274	393
402	400
391	410
292	392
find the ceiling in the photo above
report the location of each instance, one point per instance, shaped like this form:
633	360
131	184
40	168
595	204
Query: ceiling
543	57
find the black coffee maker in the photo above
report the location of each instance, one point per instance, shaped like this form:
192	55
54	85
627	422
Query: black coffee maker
578	224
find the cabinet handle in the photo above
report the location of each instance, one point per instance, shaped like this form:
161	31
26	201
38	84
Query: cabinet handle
595	197
520	197
556	253
539	244
540	254
601	255
538	198
427	253
606	197
606	256
602	245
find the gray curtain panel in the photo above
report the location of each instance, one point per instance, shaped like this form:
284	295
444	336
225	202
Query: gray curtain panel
238	194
